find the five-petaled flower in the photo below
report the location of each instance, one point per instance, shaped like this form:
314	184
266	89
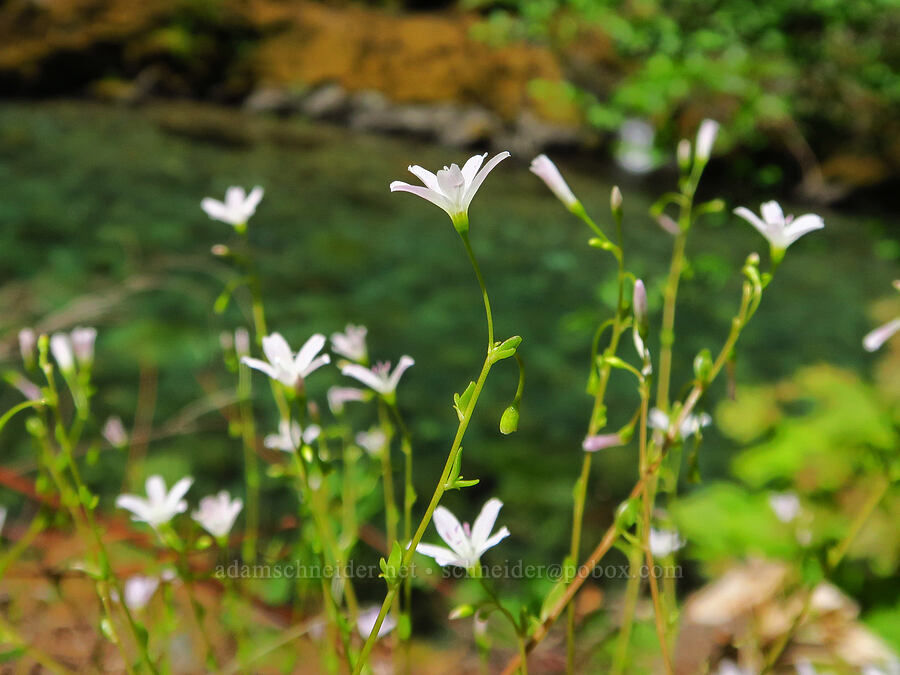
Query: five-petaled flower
466	544
452	188
217	513
379	377
663	543
160	506
291	436
283	366
351	343
237	208
781	231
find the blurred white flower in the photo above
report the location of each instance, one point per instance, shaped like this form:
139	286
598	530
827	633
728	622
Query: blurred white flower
466	544
728	667
3	514
217	513
372	441
237	208
781	231
160	506
114	432
290	436
706	138
83	339
379	377
338	396
545	169
61	348
785	505
634	152
691	425
804	667
242	342
27	342
663	543
351	343
29	389
283	366
601	442
365	623
452	188
139	591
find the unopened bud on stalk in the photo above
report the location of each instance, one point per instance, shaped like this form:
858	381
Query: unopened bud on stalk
27	343
639	307
509	422
242	342
668	224
703	364
615	200
83	344
61	348
545	169
706	137
684	154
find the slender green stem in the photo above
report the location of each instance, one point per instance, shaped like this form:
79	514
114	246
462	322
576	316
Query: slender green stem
484	293
409	498
391	513
251	464
667	332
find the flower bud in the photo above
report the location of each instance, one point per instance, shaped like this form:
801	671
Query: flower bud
703	365
242	342
668	224
509	422
27	343
601	442
114	432
546	170
83	344
615	200
61	348
639	307
706	137
684	154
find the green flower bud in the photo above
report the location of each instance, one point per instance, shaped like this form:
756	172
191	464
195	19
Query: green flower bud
509	422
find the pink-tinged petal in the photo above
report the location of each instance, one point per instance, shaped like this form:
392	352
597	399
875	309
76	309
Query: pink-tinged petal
873	341
428	179
308	351
772	213
484	523
442	556
451	532
253	199
434	197
480	176
135	504
501	534
277	350
753	219
215	209
470	168
364	375
601	442
261	366
405	363
156	489
545	169
805	224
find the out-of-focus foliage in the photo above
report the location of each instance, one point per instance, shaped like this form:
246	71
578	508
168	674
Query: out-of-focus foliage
833	440
825	65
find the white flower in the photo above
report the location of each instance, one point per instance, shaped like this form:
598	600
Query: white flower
634	152
365	623
290	436
452	188
237	207
61	347
780	230
466	545
160	506
691	425
283	365
873	341
663	543
546	170
706	137
3	513
786	506
27	342
83	344
139	591
338	396
217	513
351	343
379	377
114	432
373	441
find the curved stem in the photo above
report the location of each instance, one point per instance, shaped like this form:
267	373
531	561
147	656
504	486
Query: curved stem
484	294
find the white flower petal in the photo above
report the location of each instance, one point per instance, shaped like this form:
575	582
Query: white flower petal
308	351
436	198
470	168
880	335
442	556
452	532
428	179
772	213
805	224
472	188
753	219
405	363
492	541
364	375
484	523
277	350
